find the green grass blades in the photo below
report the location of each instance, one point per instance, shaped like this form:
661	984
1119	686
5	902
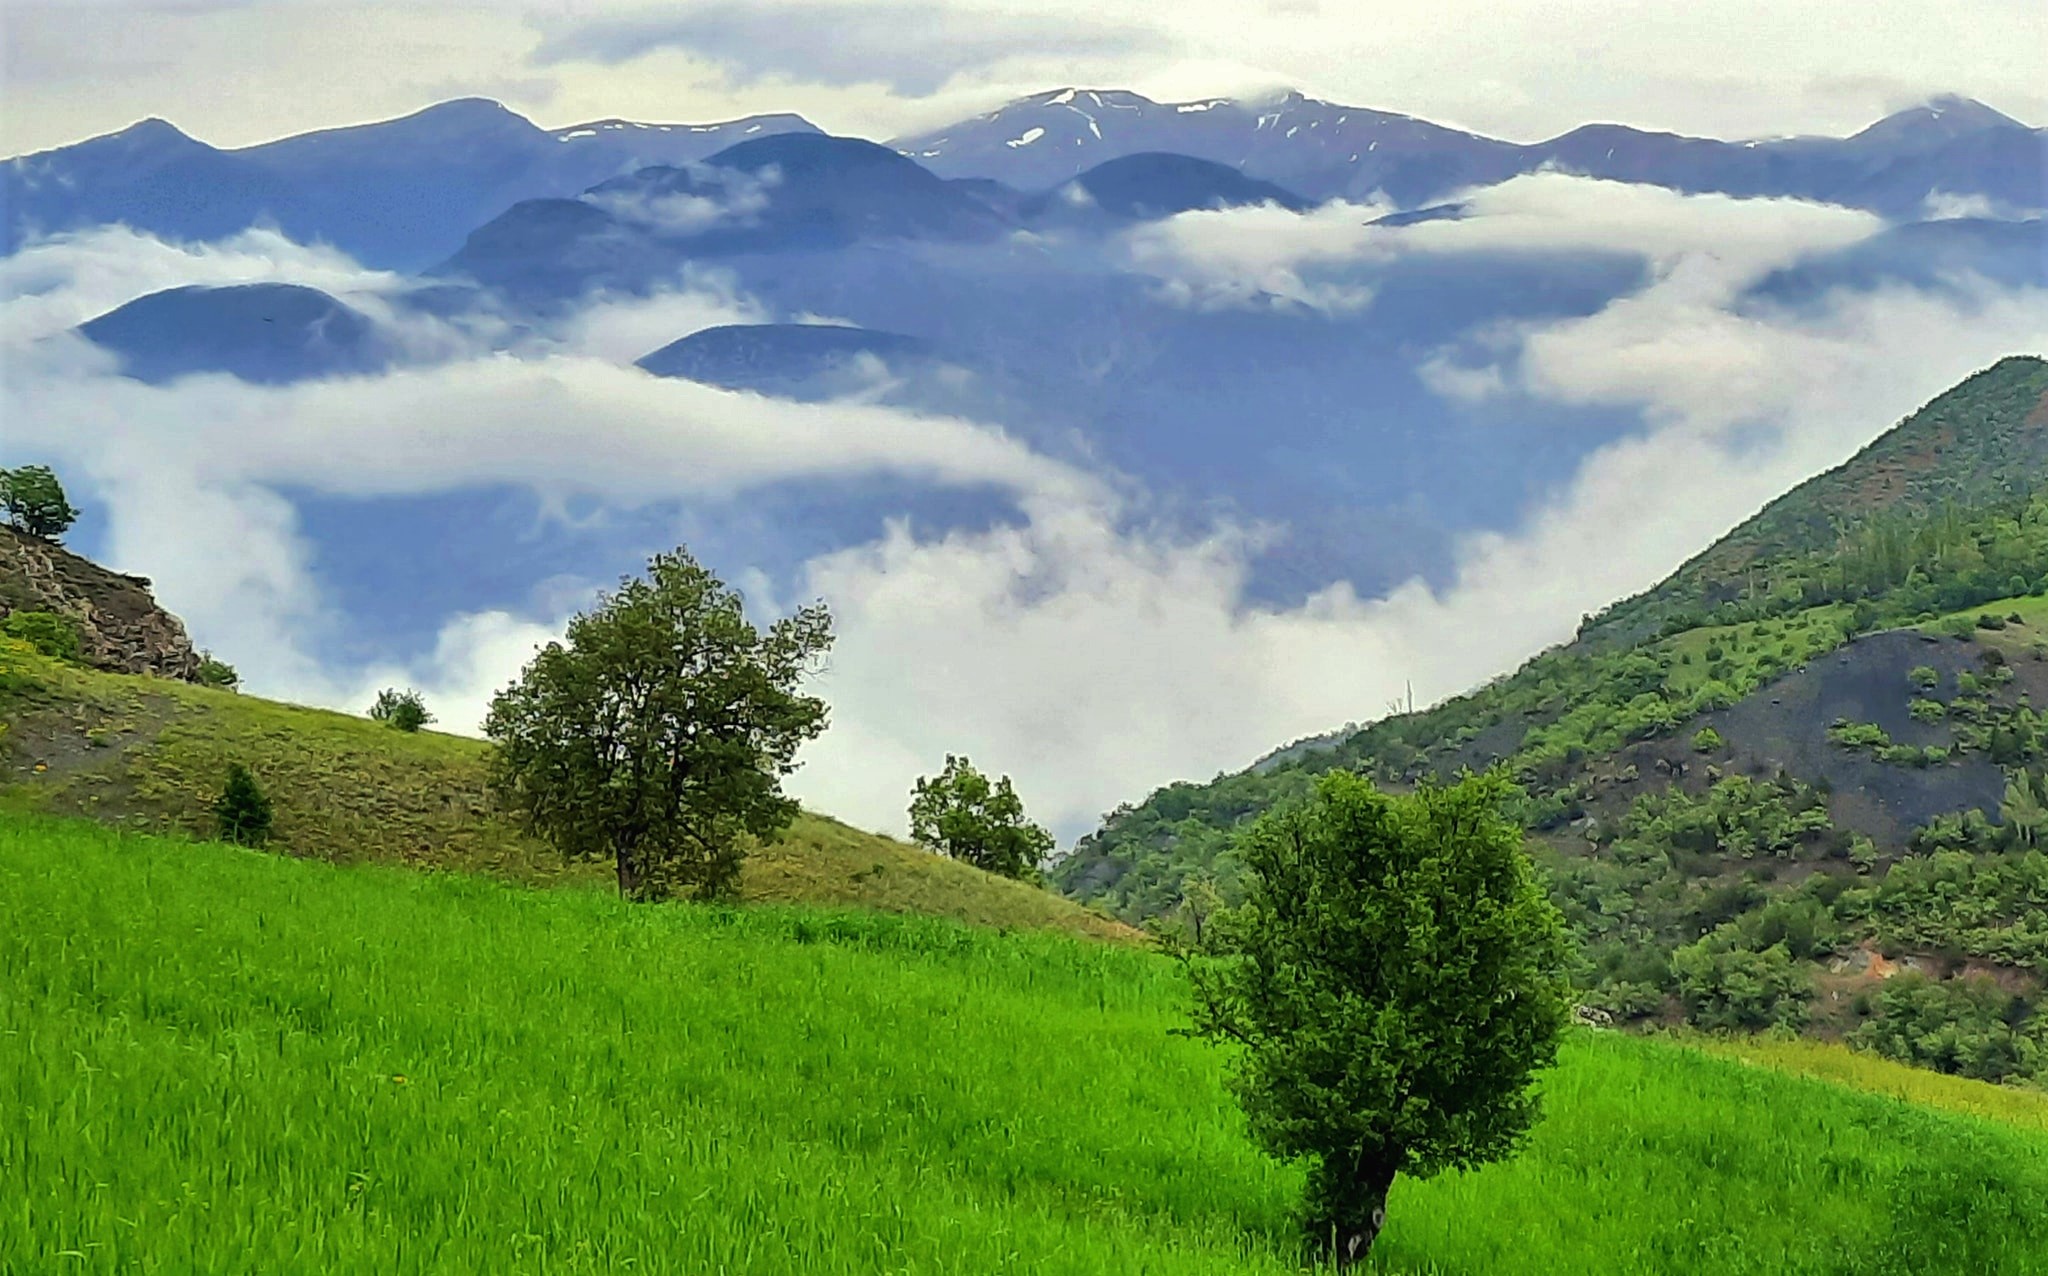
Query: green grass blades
214	1060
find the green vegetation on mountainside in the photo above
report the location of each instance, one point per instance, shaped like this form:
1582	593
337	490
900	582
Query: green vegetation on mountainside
558	1080
1863	527
153	753
1723	844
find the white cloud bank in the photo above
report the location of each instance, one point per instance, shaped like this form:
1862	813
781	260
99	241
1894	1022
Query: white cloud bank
1089	659
1324	258
1095	666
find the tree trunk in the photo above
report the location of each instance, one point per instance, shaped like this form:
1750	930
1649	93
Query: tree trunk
1360	1212
629	875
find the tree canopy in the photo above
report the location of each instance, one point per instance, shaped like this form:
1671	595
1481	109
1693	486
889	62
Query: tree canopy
406	710
1395	978
960	813
34	502
657	736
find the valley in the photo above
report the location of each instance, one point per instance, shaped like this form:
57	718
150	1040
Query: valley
1804	756
585	692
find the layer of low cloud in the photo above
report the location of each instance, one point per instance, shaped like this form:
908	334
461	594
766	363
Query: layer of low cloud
1325	258
1095	664
723	198
191	472
1087	654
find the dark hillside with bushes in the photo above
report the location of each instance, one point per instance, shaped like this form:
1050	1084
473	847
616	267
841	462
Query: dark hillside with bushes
1740	780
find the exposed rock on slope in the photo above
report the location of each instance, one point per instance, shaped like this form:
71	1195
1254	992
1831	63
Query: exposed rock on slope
124	630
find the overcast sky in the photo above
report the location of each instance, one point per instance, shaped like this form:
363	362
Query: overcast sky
234	72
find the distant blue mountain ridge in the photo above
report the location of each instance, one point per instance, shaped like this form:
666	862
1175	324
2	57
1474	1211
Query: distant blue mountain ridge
399	194
966	276
402	194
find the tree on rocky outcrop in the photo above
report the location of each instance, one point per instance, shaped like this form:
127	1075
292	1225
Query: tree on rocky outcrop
657	736
1395	981
960	813
34	502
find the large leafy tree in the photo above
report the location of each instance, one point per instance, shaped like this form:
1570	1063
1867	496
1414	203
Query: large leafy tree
657	736
961	813
34	502
1395	979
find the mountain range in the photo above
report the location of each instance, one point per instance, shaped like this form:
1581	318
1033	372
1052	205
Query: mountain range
1325	150
402	193
398	194
1068	268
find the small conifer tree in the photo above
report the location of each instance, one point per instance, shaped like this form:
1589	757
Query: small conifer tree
242	812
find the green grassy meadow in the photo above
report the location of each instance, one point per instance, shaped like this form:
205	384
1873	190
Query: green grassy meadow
1860	1070
215	1060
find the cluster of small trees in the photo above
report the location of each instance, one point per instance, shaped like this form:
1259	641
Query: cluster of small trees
656	737
959	813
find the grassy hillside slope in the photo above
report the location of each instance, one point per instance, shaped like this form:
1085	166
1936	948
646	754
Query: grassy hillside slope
150	753
217	1060
1775	781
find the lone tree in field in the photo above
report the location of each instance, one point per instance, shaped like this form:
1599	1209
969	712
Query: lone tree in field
406	710
958	813
1395	978
34	502
658	736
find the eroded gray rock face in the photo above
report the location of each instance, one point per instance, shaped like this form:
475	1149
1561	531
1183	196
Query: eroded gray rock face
123	629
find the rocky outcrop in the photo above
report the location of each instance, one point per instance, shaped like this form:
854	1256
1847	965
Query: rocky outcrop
123	629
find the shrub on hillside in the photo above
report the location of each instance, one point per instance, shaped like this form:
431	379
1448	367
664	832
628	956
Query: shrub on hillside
1970	1027
54	635
406	710
1859	735
1927	711
1727	987
217	673
1708	740
242	813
